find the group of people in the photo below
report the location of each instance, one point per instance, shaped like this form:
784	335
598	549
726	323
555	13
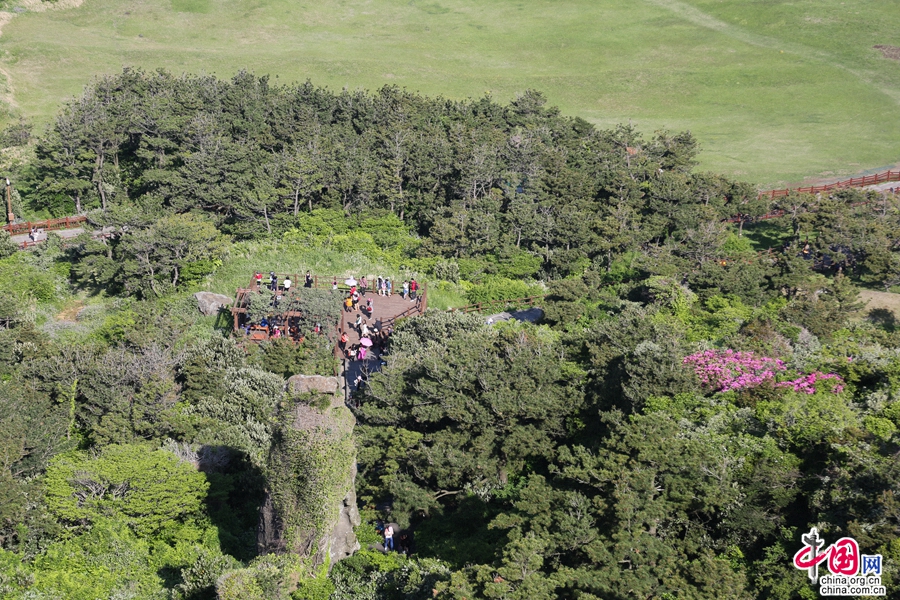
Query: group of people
286	284
356	300
383	286
371	339
277	329
353	299
395	540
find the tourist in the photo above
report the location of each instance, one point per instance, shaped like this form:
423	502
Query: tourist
355	297
334	284
405	543
258	278
358	323
380	286
344	339
364	330
309	280
389	538
387	287
276	332
405	289
363	284
369	307
413	289
361	355
348	304
287	284
273	281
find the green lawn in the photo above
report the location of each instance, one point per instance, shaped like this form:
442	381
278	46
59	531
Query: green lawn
775	91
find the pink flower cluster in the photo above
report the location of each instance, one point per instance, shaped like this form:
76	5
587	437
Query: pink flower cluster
727	370
807	383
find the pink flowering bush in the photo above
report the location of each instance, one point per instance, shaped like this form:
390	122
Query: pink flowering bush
727	370
807	383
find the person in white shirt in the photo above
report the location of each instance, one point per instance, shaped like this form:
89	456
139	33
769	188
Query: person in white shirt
287	284
389	538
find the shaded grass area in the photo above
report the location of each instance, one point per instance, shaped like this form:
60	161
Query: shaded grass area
766	235
774	91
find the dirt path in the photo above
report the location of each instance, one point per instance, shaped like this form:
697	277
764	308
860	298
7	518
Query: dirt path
63	233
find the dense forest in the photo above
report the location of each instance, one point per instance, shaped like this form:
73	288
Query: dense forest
704	386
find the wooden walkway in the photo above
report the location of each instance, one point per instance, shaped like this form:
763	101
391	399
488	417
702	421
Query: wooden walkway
386	311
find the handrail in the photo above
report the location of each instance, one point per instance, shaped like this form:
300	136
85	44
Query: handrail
852	182
242	293
47	224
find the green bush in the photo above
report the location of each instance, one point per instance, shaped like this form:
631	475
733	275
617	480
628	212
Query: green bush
501	288
318	588
152	491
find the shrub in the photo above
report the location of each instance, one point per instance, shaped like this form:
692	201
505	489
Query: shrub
501	288
150	490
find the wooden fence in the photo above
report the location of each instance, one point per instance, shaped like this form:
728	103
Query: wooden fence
852	182
48	225
298	282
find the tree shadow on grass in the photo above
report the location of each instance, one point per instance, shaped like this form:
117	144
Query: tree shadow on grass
767	234
884	318
460	535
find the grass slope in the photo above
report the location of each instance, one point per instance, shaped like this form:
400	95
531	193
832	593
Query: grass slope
775	90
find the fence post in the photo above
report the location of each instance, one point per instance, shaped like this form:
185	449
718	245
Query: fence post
424	297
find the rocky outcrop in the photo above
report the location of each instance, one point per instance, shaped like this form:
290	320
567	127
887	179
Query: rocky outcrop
211	304
302	384
342	541
310	507
269	528
531	315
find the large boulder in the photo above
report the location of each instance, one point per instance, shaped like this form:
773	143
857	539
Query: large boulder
303	384
211	304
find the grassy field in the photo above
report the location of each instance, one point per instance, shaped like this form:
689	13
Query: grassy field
776	91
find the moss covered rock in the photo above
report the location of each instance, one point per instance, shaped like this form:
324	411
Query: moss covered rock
310	506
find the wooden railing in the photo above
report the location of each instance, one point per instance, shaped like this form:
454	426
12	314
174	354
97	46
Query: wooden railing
326	283
298	282
846	183
775	214
48	225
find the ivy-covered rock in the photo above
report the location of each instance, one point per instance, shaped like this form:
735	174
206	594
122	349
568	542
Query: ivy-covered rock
311	504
